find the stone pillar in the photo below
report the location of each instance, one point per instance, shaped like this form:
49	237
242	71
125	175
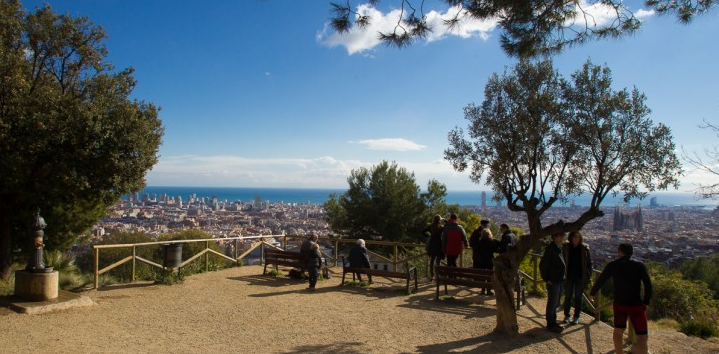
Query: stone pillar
33	286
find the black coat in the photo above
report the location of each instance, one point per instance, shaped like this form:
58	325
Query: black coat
552	267
483	255
508	239
359	257
434	240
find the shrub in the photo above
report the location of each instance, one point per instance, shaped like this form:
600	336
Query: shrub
677	298
704	328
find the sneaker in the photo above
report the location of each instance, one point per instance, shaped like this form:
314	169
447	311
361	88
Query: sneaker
575	320
490	292
566	319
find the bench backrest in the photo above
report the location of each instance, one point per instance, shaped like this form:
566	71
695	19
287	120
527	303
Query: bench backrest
279	254
481	275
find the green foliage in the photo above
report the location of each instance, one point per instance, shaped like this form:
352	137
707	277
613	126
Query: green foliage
71	277
169	277
678	298
384	201
123	273
704	269
191	249
274	273
73	140
704	328
356	283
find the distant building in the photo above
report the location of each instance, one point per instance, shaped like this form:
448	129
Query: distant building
653	202
484	199
624	221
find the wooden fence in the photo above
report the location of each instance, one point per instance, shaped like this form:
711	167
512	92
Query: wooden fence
260	241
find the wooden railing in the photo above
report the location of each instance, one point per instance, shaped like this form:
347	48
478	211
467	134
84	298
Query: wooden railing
257	241
596	307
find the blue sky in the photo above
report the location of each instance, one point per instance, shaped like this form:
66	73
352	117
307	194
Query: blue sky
262	94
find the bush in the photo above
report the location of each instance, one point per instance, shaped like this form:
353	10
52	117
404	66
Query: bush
704	328
677	298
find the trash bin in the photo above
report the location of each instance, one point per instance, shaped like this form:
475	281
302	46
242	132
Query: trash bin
173	255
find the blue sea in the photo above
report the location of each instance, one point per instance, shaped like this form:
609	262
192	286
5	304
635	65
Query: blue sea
319	196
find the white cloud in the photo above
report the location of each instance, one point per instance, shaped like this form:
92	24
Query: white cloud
361	40
600	14
321	172
390	144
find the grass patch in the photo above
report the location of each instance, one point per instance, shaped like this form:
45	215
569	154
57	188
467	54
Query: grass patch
703	328
667	323
274	273
169	277
447	298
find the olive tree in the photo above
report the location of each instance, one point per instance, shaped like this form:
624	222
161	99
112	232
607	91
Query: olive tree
538	139
72	140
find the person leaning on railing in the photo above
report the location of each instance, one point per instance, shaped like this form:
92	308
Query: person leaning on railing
627	276
579	271
454	240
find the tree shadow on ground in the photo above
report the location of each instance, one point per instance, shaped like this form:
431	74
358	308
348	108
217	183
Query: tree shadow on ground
127	286
452	306
501	343
343	348
267	280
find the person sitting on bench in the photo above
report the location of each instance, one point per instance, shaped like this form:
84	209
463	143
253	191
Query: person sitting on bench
359	258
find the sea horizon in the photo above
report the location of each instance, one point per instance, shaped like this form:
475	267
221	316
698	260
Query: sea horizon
461	197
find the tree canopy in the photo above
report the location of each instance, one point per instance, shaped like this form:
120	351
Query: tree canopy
384	201
72	139
538	138
529	28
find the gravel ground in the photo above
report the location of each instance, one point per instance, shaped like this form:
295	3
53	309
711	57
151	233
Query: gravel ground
238	310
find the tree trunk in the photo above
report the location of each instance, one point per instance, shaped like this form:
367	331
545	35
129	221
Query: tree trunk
504	282
5	246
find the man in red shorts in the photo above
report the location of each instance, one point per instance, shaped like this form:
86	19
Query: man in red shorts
627	276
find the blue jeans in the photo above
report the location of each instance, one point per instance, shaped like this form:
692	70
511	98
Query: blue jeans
554	292
574	292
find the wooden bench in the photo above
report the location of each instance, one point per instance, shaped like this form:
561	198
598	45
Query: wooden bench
289	259
410	274
473	278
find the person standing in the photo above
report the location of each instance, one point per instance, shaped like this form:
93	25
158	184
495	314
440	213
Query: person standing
474	242
454	240
579	271
359	258
434	244
628	276
508	238
306	247
553	272
313	264
486	247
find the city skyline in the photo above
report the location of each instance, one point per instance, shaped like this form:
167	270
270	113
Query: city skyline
262	94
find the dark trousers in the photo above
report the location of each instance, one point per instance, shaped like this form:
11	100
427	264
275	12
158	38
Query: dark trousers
452	260
554	292
573	296
434	261
359	277
313	278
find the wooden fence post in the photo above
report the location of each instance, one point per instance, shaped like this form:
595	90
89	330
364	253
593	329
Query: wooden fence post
235	253
97	266
132	278
337	244
535	276
395	258
207	256
285	240
597	306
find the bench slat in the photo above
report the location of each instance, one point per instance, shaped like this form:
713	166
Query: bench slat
377	272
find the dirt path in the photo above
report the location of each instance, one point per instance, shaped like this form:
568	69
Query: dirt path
238	310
